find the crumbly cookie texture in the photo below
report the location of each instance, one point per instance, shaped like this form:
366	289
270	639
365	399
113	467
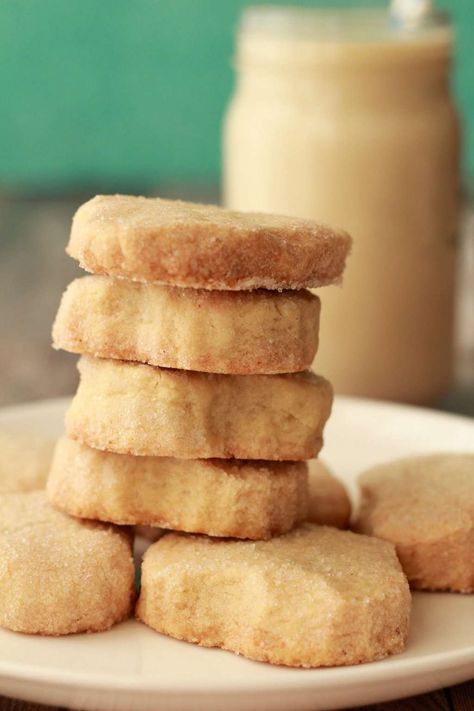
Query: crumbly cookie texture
143	410
219	497
425	506
25	459
314	597
329	502
59	575
209	331
204	246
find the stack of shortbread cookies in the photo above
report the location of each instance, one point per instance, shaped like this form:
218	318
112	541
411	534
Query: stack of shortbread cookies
195	411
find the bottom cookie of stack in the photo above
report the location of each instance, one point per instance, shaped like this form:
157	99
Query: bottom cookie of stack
313	597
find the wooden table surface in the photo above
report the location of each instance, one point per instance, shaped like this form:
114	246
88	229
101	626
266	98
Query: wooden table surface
456	698
33	272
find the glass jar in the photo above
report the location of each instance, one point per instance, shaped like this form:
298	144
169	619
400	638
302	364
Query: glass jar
342	117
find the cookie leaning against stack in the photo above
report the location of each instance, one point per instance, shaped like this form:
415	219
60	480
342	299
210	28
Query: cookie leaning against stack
425	506
59	575
180	362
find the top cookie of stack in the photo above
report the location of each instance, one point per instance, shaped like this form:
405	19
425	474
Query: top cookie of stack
211	308
204	246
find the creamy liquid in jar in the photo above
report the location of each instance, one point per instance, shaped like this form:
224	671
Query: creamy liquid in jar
340	117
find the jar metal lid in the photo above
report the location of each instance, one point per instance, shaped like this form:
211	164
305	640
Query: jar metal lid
366	24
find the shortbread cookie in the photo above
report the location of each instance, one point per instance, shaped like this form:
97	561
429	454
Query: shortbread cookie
210	331
218	497
329	503
425	506
138	409
314	597
204	246
59	575
24	461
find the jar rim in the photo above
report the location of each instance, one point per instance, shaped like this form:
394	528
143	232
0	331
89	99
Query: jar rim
351	24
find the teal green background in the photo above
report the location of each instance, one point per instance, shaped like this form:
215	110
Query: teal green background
131	93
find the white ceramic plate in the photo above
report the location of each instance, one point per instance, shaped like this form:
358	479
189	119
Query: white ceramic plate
133	668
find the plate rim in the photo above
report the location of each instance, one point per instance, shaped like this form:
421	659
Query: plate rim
303	679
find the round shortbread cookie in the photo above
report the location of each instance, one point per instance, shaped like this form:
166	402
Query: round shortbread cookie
218	497
314	597
59	575
246	332
131	408
329	502
204	246
425	506
24	461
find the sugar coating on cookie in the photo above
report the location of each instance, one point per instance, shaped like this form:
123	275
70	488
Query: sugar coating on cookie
204	246
59	575
329	502
425	506
219	497
190	329
314	597
25	459
138	409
